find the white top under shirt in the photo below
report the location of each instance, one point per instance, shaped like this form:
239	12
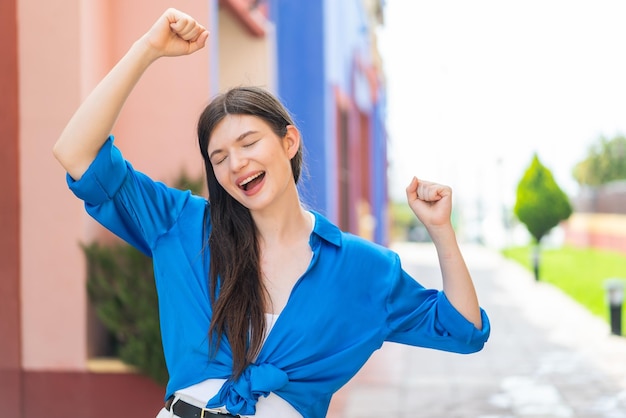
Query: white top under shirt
272	406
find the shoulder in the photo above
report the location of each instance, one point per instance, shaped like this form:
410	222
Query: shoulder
354	250
362	248
348	242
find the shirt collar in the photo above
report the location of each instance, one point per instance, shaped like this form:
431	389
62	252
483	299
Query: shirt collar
326	229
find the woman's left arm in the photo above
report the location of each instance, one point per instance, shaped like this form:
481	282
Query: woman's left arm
432	204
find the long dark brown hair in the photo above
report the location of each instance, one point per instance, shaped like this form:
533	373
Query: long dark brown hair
235	285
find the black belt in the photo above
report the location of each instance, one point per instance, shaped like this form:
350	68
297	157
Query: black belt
183	409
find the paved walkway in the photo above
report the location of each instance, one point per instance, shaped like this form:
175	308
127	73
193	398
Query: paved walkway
546	358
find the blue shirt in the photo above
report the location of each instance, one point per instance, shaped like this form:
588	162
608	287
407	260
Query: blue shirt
353	297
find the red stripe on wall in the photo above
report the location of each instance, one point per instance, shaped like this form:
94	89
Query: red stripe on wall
587	239
10	331
93	395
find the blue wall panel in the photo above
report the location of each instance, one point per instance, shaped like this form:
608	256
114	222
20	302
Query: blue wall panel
379	173
302	87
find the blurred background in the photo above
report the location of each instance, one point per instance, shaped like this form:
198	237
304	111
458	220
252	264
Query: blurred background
519	106
476	88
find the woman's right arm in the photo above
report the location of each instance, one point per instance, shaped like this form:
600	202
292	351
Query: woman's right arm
173	34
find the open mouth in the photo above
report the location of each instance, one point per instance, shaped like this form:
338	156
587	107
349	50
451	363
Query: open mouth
251	181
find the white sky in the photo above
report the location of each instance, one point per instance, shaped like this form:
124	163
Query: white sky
471	83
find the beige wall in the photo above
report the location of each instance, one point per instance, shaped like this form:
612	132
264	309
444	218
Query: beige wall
243	58
65	47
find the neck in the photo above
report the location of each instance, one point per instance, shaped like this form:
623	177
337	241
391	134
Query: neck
282	225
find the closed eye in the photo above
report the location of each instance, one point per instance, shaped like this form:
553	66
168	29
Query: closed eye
219	160
251	143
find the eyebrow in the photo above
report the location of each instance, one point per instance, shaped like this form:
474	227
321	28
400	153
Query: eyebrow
239	138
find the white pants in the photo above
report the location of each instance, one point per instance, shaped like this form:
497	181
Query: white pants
273	406
164	413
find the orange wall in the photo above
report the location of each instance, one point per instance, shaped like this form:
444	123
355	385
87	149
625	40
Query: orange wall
64	48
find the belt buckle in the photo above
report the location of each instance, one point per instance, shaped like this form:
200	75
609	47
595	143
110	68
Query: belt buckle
211	411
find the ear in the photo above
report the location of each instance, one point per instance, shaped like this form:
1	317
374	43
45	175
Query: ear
291	141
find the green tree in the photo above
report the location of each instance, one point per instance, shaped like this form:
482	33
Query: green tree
540	204
605	162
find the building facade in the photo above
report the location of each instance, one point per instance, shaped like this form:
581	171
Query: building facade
331	78
599	218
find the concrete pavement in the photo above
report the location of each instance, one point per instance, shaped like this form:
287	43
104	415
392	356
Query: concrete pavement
547	357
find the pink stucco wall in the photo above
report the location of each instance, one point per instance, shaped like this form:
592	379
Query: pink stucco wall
52	295
64	48
157	131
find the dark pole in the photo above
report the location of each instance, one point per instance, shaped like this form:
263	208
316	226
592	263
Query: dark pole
536	261
616	319
615	297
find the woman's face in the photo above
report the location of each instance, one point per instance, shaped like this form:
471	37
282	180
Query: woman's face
250	161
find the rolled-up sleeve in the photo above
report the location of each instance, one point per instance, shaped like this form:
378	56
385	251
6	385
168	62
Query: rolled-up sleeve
125	201
426	318
103	178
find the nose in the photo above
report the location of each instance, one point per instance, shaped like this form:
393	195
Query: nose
237	161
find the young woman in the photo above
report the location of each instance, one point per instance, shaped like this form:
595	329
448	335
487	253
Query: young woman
266	308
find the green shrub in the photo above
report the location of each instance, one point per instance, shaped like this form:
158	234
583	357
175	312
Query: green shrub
120	285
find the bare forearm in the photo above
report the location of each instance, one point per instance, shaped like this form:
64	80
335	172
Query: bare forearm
93	121
457	281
